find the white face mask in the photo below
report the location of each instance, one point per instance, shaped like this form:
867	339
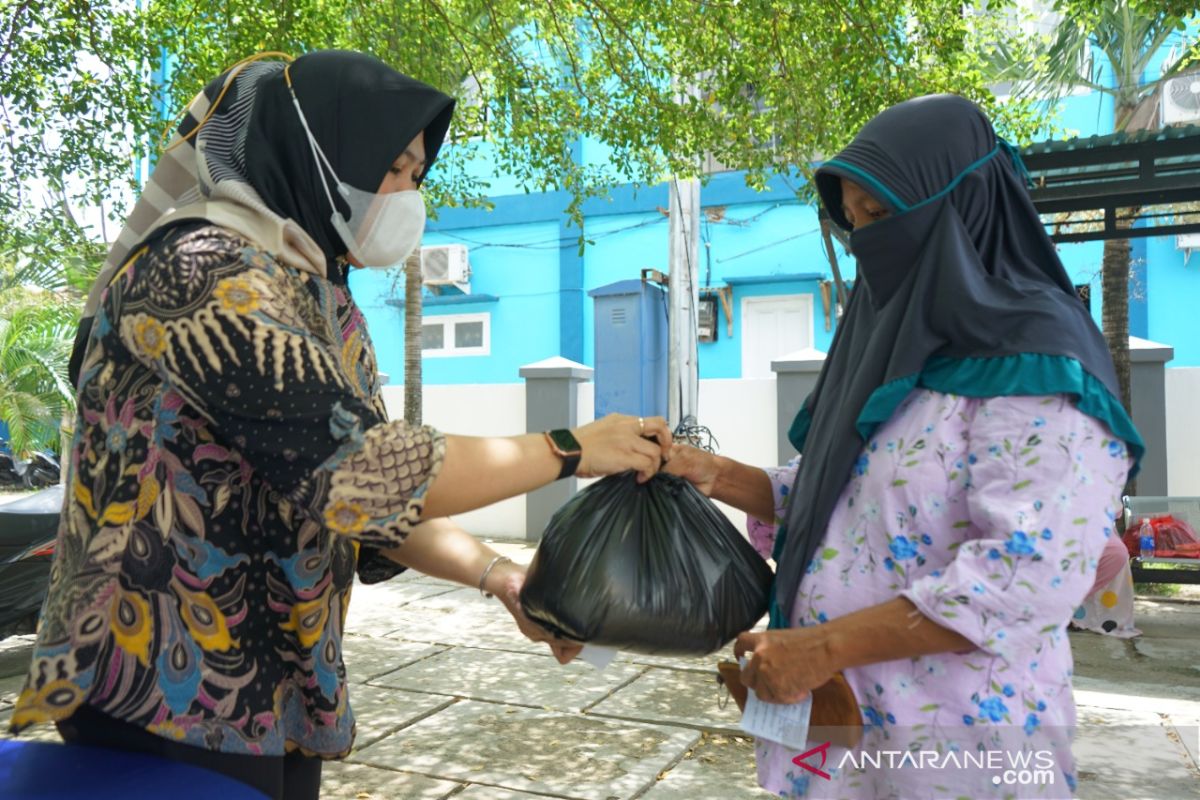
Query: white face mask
382	229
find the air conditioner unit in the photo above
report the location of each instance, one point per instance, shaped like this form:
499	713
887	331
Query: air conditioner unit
445	265
1181	99
1188	241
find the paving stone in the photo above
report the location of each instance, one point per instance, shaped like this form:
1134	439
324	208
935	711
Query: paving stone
460	597
718	767
1188	730
517	678
1123	755
479	792
373	608
378	712
465	625
535	751
38	733
1180	654
10	687
369	656
673	697
412	576
706	663
15	652
342	781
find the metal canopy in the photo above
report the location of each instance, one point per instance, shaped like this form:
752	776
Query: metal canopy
1090	179
1085	182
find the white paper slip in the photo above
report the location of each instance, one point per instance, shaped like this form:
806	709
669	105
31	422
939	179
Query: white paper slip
598	657
784	724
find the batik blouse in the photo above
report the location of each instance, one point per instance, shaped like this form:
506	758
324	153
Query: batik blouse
232	466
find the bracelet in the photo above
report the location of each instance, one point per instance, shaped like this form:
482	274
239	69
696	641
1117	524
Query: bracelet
488	570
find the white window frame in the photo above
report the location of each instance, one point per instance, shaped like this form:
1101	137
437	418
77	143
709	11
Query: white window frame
448	321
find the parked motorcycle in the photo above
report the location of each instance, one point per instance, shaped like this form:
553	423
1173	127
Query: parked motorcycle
37	472
28	527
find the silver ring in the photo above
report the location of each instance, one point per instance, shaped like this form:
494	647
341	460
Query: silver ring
641	425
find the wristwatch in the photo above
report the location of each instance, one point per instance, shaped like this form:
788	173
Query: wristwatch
565	446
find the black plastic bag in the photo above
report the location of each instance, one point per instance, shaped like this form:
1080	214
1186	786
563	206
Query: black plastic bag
648	568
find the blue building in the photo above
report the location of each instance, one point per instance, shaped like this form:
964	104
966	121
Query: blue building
761	259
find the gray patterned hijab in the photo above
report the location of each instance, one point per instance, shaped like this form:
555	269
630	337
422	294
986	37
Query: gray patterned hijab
240	159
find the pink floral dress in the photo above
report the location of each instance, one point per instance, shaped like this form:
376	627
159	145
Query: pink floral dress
989	515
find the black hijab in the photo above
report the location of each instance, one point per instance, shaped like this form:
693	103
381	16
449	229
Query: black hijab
241	142
960	290
363	114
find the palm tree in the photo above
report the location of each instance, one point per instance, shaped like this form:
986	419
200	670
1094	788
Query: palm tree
37	328
1129	34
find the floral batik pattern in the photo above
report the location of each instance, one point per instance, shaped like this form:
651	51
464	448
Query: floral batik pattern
232	467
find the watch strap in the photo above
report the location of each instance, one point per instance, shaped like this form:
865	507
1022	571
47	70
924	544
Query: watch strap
570	459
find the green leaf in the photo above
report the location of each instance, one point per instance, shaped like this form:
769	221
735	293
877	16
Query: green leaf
899	482
1021	485
829	553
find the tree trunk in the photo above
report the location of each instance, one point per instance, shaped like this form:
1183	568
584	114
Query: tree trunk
1114	287
412	337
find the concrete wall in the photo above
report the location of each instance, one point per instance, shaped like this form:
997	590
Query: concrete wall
741	415
495	409
1183	431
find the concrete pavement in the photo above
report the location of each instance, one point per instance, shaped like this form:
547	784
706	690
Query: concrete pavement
452	701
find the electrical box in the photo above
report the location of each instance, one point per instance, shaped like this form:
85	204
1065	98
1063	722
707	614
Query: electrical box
706	322
631	348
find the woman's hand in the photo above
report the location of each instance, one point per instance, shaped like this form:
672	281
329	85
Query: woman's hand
785	664
699	467
505	582
617	442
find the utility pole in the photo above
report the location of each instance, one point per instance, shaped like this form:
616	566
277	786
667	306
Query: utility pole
683	300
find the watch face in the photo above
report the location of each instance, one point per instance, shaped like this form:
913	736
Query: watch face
565	441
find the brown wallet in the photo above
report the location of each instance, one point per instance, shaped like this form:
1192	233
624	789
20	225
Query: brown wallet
835	714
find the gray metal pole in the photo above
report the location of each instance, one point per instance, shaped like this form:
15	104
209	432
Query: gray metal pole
683	253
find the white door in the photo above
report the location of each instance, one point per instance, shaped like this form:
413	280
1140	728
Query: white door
773	327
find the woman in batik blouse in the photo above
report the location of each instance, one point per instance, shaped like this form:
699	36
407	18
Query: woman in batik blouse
962	459
232	466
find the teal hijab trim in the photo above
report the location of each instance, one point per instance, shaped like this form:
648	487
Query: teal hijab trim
1021	374
879	189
